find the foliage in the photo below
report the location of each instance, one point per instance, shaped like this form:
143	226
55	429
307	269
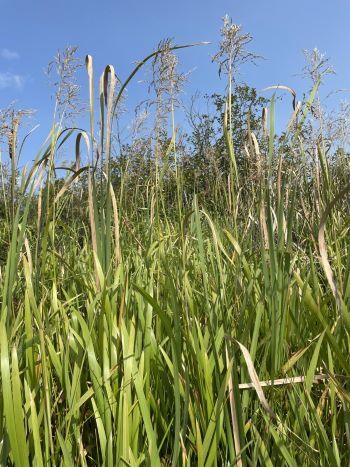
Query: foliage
167	320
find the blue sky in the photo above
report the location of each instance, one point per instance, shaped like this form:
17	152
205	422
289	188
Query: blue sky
120	32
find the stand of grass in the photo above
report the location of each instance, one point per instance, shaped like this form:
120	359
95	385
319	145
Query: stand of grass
125	343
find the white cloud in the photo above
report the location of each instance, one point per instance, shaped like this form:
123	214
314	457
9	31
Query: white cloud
9	54
11	80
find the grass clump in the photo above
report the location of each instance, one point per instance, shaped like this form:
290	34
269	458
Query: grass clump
147	322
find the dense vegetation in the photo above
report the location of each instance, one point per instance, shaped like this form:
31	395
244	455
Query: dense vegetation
178	300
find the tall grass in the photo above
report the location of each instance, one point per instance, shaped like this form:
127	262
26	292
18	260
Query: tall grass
182	336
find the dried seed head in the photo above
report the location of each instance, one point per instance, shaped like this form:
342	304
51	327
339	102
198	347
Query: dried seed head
166	80
232	49
317	65
62	74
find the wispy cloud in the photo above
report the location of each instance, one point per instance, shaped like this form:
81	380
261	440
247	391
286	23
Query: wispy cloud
11	80
9	54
